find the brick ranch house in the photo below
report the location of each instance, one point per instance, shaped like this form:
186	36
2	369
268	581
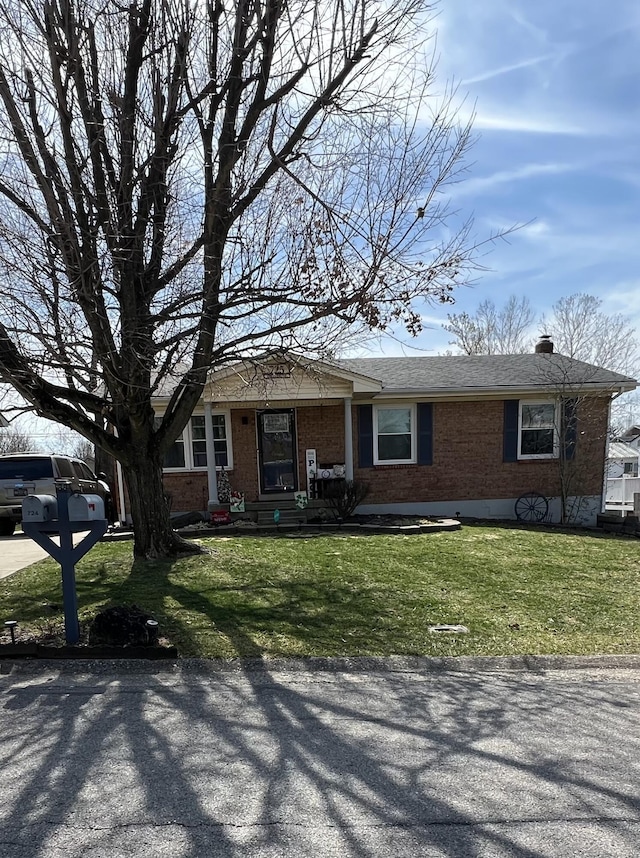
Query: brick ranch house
454	435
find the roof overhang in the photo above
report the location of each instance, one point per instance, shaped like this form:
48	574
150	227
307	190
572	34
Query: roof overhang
504	392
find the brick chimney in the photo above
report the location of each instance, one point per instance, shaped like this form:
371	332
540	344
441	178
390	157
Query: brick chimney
544	345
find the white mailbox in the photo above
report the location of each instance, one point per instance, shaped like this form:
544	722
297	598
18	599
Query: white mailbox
86	508
39	508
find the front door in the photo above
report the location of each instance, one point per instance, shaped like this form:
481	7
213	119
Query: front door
277	451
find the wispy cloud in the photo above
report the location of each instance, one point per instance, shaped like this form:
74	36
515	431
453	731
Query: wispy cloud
530	124
625	298
559	122
502	70
534	231
518	174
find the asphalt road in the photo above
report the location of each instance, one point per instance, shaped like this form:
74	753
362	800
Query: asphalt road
183	762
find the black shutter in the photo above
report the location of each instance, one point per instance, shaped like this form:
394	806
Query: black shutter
425	433
365	436
510	438
569	427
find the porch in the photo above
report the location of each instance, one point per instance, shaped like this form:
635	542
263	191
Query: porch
620	493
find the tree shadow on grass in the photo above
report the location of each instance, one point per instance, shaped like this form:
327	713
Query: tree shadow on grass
250	617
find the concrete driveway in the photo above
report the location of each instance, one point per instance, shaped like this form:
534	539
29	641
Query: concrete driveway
16	552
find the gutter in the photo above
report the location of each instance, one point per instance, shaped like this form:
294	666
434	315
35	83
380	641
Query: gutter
614	390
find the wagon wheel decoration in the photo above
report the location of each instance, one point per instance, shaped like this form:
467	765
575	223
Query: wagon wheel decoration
532	506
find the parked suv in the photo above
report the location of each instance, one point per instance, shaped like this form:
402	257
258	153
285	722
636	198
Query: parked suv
23	474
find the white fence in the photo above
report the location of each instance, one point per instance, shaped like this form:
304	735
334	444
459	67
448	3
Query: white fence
620	491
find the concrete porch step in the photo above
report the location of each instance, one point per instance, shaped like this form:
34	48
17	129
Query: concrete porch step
289	515
282	503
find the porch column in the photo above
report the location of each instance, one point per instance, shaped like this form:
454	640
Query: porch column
348	439
211	458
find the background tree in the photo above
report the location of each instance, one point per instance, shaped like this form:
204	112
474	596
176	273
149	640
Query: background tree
577	325
15	441
492	330
185	182
72	444
581	330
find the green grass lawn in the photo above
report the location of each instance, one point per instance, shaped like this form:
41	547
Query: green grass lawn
517	590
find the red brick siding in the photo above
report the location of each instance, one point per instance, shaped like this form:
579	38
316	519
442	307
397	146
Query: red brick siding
320	429
467	457
189	491
244	477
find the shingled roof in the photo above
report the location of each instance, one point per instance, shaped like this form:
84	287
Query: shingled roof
484	372
458	375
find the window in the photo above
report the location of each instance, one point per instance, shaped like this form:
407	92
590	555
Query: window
189	451
220	443
394	429
27	468
85	471
174	457
65	469
538	430
631	468
199	443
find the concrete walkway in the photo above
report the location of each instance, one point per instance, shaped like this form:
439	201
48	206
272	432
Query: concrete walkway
16	552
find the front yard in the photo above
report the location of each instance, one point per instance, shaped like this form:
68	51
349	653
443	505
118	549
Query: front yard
517	590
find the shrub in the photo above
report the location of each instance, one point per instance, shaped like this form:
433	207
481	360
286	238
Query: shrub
122	625
343	497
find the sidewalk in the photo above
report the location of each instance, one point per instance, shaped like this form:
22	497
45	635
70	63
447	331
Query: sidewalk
16	552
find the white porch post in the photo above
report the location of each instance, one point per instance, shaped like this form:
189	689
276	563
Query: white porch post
211	458
348	439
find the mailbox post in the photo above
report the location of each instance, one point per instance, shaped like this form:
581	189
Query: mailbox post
66	514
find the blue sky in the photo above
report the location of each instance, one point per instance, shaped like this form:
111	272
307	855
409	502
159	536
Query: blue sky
556	90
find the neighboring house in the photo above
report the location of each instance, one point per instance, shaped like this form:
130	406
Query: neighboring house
622	480
631	437
456	435
622	460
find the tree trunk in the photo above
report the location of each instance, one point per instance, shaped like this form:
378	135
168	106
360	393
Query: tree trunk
153	534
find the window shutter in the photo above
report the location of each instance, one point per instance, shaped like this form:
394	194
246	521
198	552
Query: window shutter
365	436
510	439
425	433
569	427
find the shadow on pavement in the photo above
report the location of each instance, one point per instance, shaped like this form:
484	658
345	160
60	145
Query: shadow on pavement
261	763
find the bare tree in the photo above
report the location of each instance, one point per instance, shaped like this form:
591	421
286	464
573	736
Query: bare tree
580	429
15	441
492	330
185	182
625	412
581	330
578	326
72	444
